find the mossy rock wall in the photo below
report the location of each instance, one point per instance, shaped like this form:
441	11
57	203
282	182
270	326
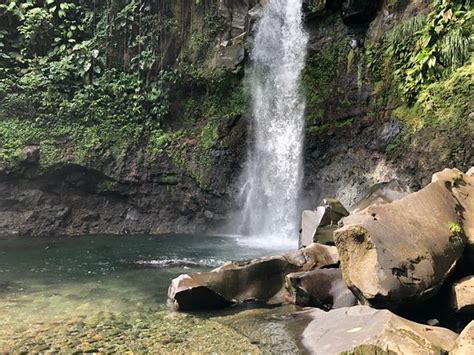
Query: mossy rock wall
363	124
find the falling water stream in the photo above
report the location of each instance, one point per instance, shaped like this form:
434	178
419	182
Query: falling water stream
272	178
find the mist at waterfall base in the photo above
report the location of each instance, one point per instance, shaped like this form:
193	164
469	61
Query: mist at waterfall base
272	178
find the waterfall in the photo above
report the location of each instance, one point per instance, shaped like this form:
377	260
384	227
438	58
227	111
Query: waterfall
272	178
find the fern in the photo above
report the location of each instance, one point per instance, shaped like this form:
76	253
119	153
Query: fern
407	29
429	47
454	49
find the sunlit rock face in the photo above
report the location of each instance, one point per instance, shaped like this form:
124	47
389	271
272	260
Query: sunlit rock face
364	330
271	182
402	252
260	280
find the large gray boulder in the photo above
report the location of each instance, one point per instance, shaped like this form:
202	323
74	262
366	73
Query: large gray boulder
465	341
364	330
401	252
259	280
322	288
462	295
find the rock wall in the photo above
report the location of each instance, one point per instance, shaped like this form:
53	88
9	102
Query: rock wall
177	185
354	131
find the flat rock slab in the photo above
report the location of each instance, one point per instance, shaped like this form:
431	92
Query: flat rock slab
401	252
462	295
364	330
260	280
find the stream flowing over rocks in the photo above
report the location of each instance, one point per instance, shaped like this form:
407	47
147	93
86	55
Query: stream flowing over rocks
367	294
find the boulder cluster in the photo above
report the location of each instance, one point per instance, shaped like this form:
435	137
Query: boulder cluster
392	274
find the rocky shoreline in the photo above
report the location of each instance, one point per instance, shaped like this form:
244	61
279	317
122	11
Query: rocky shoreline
399	275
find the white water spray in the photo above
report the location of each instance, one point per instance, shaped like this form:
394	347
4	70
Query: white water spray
273	175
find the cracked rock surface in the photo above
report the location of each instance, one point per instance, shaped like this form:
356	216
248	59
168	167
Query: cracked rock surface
402	252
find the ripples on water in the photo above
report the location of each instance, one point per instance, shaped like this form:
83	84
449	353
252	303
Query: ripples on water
78	293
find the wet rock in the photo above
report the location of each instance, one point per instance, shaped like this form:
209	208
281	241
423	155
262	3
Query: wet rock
133	215
255	12
328	214
462	295
389	130
465	341
259	280
401	252
211	216
364	330
231	53
384	135
322	288
381	193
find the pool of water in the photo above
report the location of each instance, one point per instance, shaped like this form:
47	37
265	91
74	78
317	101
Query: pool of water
108	293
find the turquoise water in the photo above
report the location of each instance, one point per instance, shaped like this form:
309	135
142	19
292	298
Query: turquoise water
89	293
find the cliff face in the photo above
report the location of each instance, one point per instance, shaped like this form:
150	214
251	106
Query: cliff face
363	127
181	177
92	175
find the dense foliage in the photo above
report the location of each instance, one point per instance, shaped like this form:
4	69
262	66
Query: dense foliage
88	78
95	73
424	68
425	49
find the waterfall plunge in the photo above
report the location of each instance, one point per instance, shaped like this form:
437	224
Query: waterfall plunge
272	178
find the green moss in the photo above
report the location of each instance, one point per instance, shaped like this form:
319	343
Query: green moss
338	125
345	123
423	49
412	117
169	179
321	69
61	142
350	59
315	130
159	141
200	43
314	6
51	153
443	106
196	162
210	134
107	186
367	349
448	102
455	228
